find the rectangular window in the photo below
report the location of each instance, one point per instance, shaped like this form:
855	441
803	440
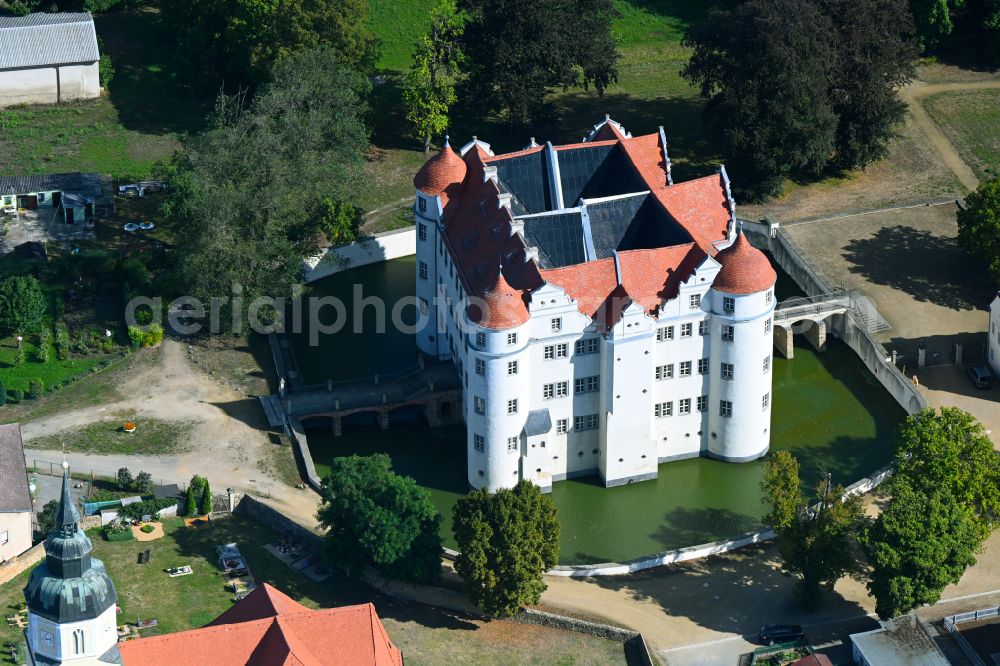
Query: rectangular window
423	306
4	537
725	408
587	422
685	369
481	339
479	442
694	301
423	270
664	372
702	366
549	352
663	409
562	350
587	384
512	338
665	333
684	406
562	425
512	406
548	391
765	400
727	371
587	346
480	405
422	205
562	389
556	324
480	366
686	330
767	363
702	403
512	443
703	327
511	367
728	333
767	296
728	304
767	325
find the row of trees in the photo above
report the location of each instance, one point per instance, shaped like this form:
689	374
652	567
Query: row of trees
375	517
969	26
945	501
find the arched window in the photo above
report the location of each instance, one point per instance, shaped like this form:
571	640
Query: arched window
78	641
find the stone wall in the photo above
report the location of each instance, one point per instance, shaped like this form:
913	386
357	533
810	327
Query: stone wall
13	567
253	508
635	645
369	250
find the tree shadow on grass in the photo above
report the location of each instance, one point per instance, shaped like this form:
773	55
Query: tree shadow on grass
928	267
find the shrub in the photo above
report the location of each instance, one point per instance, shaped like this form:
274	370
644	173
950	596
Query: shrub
118	530
3	393
153	336
36	388
15	396
106	70
206	499
135	336
42	353
190	505
149	507
19	356
22	303
147	528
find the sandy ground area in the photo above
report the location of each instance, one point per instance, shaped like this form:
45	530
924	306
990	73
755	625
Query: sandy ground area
139	535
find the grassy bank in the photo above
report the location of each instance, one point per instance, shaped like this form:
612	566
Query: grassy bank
151	437
971	121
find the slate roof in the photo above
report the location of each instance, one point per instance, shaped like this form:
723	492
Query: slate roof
268	628
14	494
39	40
538	423
84	184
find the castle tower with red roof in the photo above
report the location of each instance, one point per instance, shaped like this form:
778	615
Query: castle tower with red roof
604	318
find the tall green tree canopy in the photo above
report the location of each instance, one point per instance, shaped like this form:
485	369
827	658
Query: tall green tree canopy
517	50
950	450
507	539
377	517
918	545
968	28
243	39
795	86
979	225
816	541
251	194
22	303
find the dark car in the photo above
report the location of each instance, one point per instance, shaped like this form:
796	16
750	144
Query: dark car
980	377
780	633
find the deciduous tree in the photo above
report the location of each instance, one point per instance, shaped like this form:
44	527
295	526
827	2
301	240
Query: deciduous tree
376	517
816	541
22	303
979	225
430	85
508	539
918	545
518	50
47	517
124	479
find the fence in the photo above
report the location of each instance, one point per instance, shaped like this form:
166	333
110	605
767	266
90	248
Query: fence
951	622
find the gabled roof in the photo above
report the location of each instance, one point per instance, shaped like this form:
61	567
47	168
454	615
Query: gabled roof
86	184
39	40
15	496
285	634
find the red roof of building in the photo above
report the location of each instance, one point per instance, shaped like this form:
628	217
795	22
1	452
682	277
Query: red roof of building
268	628
442	174
745	269
479	237
813	660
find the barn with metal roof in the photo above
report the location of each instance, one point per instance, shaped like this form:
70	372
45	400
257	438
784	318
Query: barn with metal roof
48	58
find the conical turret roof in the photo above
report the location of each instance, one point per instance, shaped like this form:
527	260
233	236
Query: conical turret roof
745	269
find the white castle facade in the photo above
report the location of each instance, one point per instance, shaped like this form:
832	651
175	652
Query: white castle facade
603	319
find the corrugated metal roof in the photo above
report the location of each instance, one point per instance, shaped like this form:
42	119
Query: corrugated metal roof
37	40
14	493
84	184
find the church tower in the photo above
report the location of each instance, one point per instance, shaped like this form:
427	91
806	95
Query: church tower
71	600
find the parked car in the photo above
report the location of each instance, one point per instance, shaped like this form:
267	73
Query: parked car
981	377
780	633
132	191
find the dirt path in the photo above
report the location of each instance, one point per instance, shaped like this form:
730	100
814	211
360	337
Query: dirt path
918	90
226	441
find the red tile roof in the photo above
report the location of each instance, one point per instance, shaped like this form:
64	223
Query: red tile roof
745	269
441	175
291	635
502	306
479	238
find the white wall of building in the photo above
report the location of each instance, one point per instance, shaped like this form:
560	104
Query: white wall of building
993	333
49	85
97	635
15	534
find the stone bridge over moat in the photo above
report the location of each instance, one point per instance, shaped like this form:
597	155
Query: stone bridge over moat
811	316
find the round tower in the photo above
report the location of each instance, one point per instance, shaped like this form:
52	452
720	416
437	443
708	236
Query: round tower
742	306
439	178
496	400
71	600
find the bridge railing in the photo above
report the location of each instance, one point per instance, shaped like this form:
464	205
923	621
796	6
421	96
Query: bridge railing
362	381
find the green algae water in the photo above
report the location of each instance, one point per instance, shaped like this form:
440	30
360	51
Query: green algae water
828	410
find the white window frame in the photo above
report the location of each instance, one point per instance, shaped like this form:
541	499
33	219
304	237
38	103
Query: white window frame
423	270
665	333
562	426
480	366
511	368
726	408
727	370
702	403
556	324
687	330
512	444
662	410
728	304
694	301
512	406
479	405
478	442
684	406
684	369
664	372
512	338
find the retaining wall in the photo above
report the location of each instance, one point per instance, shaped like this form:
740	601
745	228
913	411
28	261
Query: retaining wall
18	564
368	250
300	444
253	508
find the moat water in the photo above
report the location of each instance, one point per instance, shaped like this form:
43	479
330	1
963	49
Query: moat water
828	410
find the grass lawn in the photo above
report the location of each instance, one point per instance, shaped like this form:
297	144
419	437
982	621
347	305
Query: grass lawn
424	635
971	121
152	436
53	373
137	121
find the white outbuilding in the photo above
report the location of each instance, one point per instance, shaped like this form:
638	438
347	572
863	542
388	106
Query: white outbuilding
48	58
994	336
